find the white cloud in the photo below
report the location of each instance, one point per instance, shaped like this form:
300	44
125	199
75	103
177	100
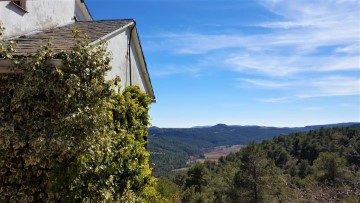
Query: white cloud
347	105
321	22
331	86
350	49
195	43
304	88
312	40
306	25
313	108
296	40
173	70
278	100
277	65
266	84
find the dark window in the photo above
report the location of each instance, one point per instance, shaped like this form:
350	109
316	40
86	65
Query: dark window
20	4
17	3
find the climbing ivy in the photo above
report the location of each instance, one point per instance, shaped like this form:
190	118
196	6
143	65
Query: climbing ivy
69	135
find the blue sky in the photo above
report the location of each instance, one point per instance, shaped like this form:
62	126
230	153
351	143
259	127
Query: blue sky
247	62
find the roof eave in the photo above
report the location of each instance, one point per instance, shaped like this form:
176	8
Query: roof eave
139	52
85	10
143	65
112	34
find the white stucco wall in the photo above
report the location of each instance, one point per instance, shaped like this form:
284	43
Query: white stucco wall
118	47
136	73
41	14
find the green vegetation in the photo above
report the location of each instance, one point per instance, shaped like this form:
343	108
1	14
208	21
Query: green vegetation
69	135
171	148
167	154
316	166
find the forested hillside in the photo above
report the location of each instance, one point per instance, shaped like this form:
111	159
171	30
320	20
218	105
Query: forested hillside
171	147
315	166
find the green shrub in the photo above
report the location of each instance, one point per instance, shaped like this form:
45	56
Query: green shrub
69	135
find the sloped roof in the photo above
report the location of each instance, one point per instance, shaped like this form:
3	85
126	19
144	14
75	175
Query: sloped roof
62	37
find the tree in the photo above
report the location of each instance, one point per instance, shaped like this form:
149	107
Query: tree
330	168
258	178
304	169
168	190
197	176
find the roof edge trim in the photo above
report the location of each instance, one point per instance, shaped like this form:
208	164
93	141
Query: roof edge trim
139	52
84	9
111	34
143	65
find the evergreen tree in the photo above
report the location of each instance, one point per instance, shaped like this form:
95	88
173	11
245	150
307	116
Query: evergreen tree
257	175
198	176
330	168
304	169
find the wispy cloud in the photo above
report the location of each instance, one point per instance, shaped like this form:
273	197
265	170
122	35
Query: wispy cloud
197	43
278	100
188	68
280	65
347	105
168	71
314	44
305	25
313	108
174	70
295	39
303	88
350	49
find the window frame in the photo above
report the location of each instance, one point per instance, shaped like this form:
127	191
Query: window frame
21	4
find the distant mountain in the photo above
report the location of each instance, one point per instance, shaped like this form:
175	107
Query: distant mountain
171	147
355	125
315	127
311	127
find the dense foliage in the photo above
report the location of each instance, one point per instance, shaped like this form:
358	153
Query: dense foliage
316	166
168	154
69	135
171	147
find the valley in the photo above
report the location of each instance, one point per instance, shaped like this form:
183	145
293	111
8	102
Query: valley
176	148
313	166
214	154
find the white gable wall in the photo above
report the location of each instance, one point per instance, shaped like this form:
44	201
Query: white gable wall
137	76
118	47
40	15
46	14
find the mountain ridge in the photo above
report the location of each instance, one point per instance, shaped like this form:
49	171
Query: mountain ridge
306	126
171	147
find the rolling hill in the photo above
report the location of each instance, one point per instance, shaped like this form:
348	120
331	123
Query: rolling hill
171	147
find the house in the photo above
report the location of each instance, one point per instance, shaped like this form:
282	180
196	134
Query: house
31	23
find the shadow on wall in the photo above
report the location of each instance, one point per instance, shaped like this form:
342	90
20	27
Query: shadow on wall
16	9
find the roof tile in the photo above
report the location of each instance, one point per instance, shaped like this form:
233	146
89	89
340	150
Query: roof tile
62	37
